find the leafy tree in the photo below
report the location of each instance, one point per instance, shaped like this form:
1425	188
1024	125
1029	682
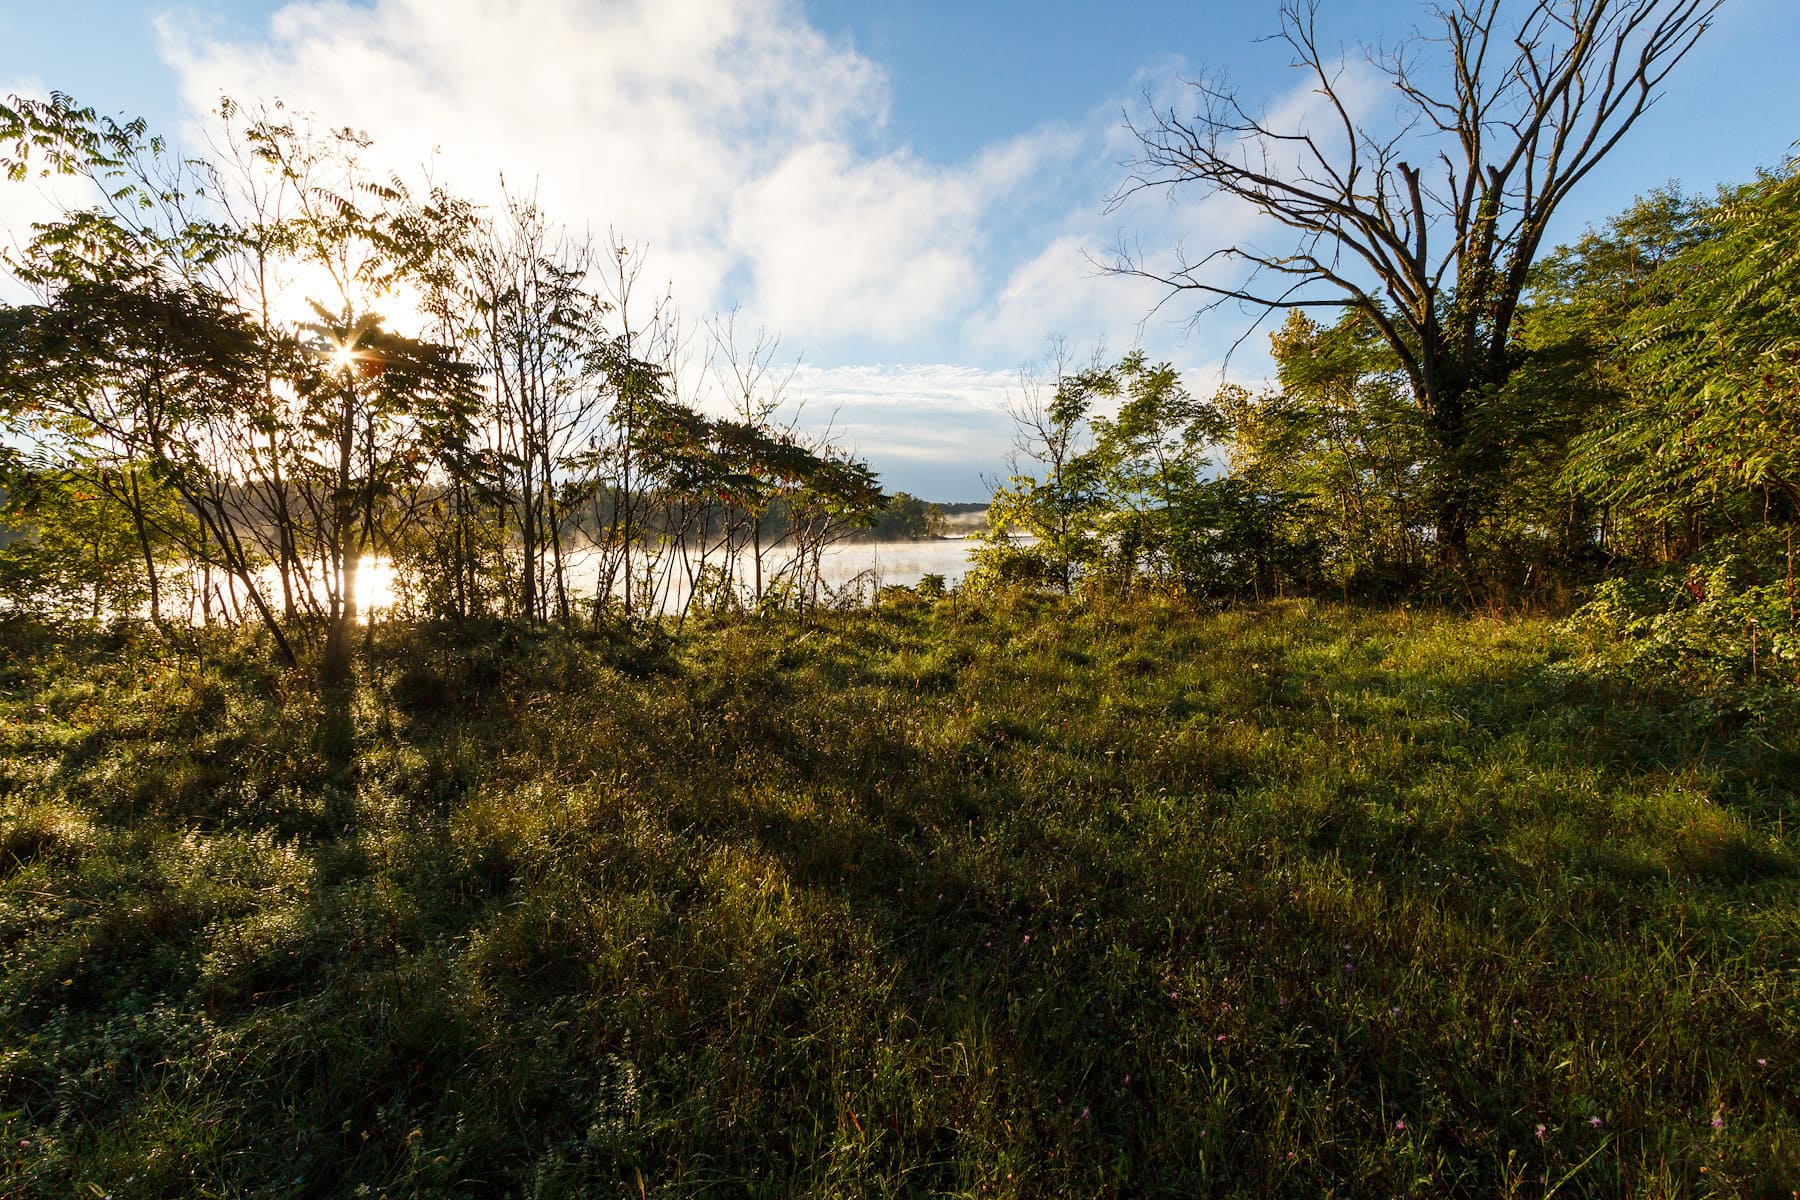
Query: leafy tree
906	517
75	549
1428	228
1130	497
373	407
137	353
1696	463
130	371
1151	459
1341	440
1040	528
1708	361
1576	360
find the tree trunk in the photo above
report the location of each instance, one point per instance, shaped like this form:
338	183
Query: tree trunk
143	536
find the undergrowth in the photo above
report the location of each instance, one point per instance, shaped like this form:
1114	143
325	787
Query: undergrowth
1016	898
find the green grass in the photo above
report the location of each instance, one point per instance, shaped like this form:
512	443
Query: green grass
1014	899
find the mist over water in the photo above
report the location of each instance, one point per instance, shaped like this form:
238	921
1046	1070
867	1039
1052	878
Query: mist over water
868	565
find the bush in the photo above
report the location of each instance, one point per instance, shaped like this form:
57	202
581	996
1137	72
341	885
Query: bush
1722	617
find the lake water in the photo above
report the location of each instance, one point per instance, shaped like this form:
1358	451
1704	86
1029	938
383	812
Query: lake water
876	564
870	565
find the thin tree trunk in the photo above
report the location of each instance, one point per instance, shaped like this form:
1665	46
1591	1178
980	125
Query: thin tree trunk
143	535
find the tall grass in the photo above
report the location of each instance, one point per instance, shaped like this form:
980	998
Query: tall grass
1009	899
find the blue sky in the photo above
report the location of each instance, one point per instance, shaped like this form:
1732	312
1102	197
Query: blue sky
908	193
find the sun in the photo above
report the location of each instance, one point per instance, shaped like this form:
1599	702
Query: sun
343	358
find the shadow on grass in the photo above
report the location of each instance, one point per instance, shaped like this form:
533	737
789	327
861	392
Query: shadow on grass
764	933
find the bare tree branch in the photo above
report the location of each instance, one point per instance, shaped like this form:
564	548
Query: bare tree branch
1428	223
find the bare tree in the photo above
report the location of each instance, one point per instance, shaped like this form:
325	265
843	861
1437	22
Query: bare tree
1428	224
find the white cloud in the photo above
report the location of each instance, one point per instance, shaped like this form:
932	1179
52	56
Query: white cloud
21	205
883	246
750	155
1066	289
1060	291
32	201
728	135
936	430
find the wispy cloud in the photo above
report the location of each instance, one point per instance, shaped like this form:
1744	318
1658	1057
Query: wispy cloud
937	430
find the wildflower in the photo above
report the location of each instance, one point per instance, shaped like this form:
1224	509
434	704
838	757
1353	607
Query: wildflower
1762	1062
1400	1124
1596	1122
1540	1133
1027	939
1718	1121
1084	1113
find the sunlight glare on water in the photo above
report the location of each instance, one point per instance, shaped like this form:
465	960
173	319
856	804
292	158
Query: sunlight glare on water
902	563
375	585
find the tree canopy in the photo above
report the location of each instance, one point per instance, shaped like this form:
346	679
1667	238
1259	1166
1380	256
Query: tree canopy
1428	225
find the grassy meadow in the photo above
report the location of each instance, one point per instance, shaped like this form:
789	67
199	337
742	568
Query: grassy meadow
1009	898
